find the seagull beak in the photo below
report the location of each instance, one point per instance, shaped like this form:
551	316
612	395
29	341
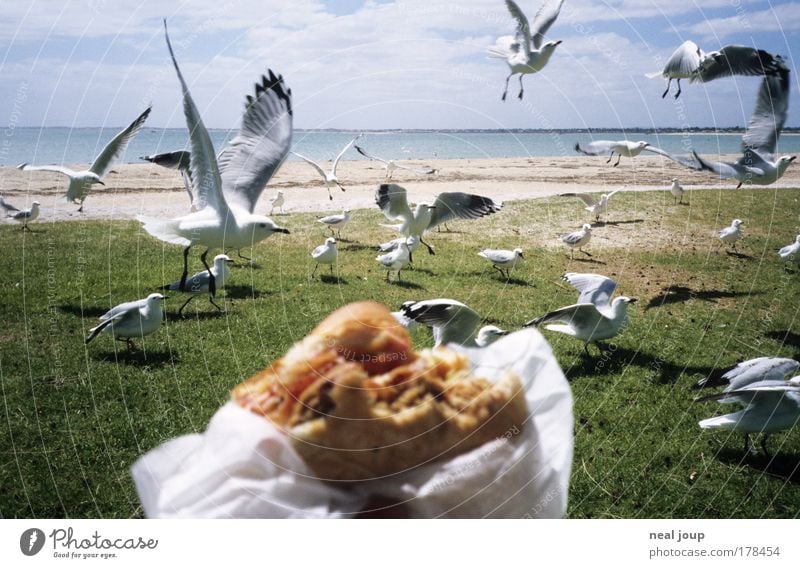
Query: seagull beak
100	182
792	158
164	297
634	300
521	255
230	261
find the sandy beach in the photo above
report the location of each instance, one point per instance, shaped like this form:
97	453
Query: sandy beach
134	189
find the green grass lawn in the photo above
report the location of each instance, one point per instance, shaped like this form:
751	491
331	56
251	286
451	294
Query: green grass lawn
75	417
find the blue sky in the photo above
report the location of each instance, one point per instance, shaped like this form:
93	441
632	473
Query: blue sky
367	64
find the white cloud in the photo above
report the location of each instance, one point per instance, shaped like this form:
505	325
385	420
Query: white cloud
782	19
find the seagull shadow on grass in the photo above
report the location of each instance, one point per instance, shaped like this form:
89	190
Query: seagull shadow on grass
331	279
138	357
419	270
239	292
615	223
85	311
514	281
588	260
200	312
406	284
661	371
357	247
785	337
739	255
784	466
679	294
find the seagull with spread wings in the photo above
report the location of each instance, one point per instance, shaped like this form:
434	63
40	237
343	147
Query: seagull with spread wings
226	189
629	149
691	62
393	201
80	182
526	52
593	206
329	177
390	165
452	322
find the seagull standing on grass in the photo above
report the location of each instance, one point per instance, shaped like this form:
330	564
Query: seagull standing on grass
329	177
677	191
393	201
278	202
225	218
23	216
80	182
503	260
595	317
131	319
525	52
791	252
691	62
390	165
336	221
578	240
593	206
452	322
729	235
395	261
325	254
198	284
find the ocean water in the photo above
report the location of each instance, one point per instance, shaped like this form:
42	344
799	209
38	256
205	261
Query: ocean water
81	145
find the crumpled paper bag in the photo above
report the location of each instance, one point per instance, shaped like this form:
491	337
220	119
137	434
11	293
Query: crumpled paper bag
244	467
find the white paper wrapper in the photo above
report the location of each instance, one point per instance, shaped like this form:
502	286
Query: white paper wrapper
244	467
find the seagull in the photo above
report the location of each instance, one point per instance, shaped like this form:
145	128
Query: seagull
503	260
391	165
330	177
769	406
729	235
593	206
325	254
578	240
198	284
629	149
278	202
691	62
791	252
23	216
225	218
406	322
393	201
131	319
81	182
595	317
396	260
676	189
525	52
389	246
178	160
758	164
452	322
336	221
756	370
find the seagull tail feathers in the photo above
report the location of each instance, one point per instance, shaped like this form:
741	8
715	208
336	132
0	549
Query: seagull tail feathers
164	230
724	422
97	330
655	75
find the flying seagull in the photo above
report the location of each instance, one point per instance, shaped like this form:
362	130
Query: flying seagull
629	149
131	319
23	216
225	218
526	52
329	177
691	62
81	182
452	322
390	165
593	206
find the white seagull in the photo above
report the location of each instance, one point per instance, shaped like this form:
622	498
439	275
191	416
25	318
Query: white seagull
526	52
412	243
131	319
390	165
758	164
677	191
80	182
199	284
791	252
23	216
406	322
691	62
329	177
393	201
593	206
578	240
452	322
278	202
595	317
630	149
325	254
395	261
225	218
729	235
336	221
756	370
503	260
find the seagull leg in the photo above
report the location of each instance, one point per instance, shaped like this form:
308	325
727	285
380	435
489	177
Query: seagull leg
211	299
430	248
212	281
669	82
586	349
387	275
129	343
740	185
315	270
240	255
341	187
764	444
619	157
584	252
521	88
505	92
185	274
678	94
186	303
611	157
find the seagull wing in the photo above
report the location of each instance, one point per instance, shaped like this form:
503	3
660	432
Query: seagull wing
523	36
582	315
738	60
685	160
760	369
421	171
7	206
122	309
345	149
456	322
495	255
57	169
313	163
769	116
206	180
116	148
723	169
393	201
543	19
457	205
177	160
363	152
265	136
594	288
683	62
587	198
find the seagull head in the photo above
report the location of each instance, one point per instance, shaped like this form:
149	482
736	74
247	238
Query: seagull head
518	252
488	334
551	45
263	227
94	178
736	222
783	163
153	298
221	259
330	241
587	227
642	144
622	302
35	204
